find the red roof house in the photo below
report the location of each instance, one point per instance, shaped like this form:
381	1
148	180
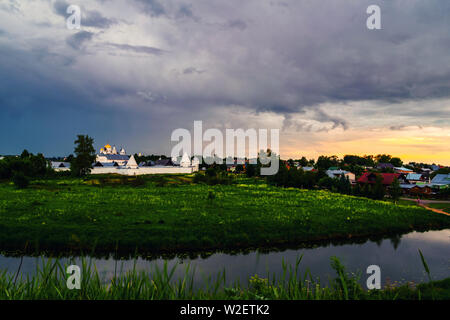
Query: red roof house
371	178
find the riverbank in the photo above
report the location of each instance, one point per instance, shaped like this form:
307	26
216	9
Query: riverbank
171	214
50	283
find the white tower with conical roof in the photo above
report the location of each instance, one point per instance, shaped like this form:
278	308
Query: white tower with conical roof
132	163
185	161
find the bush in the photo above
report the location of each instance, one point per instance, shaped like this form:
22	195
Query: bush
20	180
138	182
250	170
161	181
30	165
198	178
213	177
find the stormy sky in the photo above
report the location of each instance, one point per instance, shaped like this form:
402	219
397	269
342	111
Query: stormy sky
138	69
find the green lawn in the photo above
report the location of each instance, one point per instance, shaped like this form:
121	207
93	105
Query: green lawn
170	214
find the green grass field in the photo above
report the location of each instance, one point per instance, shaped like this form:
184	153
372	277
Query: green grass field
170	214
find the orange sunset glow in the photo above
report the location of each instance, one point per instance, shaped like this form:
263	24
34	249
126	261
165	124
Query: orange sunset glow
428	145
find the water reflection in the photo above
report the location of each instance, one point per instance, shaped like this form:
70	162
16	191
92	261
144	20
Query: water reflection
397	257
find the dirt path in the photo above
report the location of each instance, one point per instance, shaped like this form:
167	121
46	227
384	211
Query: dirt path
434	210
423	204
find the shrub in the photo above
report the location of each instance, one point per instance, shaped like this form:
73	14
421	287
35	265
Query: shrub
199	177
213	177
20	180
30	165
138	182
161	181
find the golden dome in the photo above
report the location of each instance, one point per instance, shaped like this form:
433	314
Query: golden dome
107	146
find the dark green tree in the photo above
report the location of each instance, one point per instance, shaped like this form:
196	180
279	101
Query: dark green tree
290	162
325	162
396	162
344	185
30	165
81	164
279	179
69	158
357	191
383	158
309	179
239	168
250	170
366	191
39	165
303	162
25	154
20	180
395	191
378	190
327	182
293	178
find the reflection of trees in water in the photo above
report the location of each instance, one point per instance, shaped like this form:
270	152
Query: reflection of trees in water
126	254
395	240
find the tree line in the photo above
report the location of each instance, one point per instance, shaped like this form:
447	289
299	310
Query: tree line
297	178
21	169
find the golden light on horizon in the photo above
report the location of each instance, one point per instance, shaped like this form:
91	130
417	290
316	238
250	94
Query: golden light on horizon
429	145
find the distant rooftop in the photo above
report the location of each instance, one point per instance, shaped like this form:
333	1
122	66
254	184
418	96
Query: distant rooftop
441	179
115	156
414	176
385	165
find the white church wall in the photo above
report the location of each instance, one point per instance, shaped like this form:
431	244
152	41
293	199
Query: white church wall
143	170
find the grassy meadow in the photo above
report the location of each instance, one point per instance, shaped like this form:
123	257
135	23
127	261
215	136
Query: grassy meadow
166	214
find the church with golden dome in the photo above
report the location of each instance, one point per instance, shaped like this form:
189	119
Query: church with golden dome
107	149
110	161
109	154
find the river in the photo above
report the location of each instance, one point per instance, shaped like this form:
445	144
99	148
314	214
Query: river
398	259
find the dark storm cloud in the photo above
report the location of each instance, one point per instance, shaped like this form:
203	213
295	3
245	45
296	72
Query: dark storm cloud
322	116
137	49
43	111
96	20
192	70
60	7
77	40
152	7
318	52
288	58
185	11
89	18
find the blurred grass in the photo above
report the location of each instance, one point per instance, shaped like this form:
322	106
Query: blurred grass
49	282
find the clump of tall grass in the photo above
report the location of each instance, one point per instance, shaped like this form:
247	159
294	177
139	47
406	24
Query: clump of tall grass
49	282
